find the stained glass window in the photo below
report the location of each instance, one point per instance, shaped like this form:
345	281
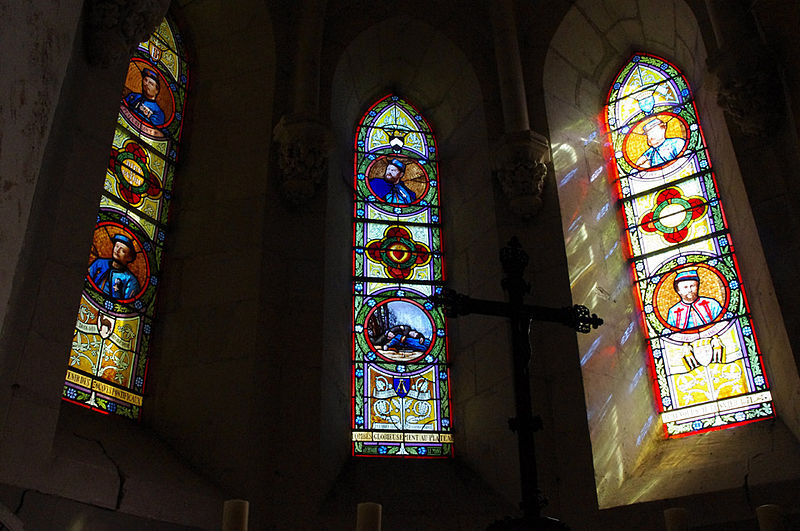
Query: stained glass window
107	364
400	376
705	359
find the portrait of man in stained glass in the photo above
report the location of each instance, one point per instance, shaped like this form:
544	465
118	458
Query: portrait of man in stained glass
144	103
148	102
693	310
397	181
112	275
662	149
390	187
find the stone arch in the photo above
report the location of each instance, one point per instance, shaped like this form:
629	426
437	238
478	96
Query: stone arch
433	74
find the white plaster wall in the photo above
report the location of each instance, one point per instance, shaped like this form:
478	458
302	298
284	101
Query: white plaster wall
632	461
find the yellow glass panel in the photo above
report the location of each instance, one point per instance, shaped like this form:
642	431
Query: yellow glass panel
103	344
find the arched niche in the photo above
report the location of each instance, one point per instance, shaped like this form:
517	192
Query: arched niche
205	318
632	460
430	71
58	448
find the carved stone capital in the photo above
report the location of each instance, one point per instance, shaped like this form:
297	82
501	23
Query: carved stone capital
112	28
520	168
304	143
748	87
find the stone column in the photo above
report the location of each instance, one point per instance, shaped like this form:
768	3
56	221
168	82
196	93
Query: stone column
509	67
304	139
521	155
749	88
311	26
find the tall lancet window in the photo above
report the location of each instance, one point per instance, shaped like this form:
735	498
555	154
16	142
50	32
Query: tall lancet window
400	381
107	364
705	358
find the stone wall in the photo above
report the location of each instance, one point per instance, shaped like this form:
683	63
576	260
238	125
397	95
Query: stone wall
249	390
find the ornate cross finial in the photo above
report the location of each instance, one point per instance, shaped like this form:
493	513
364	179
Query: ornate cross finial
580	320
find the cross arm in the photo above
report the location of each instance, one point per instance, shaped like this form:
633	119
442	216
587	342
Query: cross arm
576	317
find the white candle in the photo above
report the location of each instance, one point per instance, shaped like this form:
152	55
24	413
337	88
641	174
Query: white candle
770	518
676	519
369	517
235	514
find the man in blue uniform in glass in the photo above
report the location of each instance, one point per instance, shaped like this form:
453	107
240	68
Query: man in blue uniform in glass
111	275
403	337
662	149
144	103
390	187
692	310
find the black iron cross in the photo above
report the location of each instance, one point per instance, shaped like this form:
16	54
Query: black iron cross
514	261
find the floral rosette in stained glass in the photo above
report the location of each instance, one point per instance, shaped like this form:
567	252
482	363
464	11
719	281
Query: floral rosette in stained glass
705	358
108	359
400	376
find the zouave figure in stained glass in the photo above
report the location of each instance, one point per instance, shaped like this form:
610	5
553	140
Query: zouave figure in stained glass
692	310
112	275
662	149
144	103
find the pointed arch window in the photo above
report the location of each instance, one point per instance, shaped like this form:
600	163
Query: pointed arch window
107	364
400	375
705	360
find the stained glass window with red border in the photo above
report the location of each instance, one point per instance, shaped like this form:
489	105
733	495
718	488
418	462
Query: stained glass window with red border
400	375
705	359
107	365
